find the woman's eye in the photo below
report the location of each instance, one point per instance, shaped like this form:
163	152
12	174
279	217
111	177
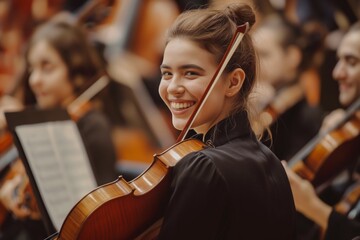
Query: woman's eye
352	61
166	75
191	73
48	67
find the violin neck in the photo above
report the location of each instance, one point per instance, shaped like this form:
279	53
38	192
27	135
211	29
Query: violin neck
305	151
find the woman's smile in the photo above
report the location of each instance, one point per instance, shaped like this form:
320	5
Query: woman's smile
180	106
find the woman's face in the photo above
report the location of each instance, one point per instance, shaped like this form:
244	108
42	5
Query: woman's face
186	71
49	78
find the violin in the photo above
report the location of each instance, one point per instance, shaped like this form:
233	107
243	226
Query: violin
281	102
22	192
331	152
8	158
133	210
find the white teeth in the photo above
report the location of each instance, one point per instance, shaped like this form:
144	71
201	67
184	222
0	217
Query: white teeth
178	106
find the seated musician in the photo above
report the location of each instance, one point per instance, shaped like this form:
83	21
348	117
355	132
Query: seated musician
60	63
337	226
284	53
234	188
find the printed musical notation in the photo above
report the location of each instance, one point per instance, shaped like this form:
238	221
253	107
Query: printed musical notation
60	165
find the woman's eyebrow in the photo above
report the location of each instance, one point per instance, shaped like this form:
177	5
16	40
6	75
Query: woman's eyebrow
185	66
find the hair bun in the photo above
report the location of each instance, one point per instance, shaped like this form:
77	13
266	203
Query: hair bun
240	14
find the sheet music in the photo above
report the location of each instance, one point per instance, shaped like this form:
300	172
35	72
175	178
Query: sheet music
60	165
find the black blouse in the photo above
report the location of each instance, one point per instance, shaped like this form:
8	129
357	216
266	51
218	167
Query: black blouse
95	131
341	227
234	189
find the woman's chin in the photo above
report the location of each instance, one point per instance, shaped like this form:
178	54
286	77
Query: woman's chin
178	125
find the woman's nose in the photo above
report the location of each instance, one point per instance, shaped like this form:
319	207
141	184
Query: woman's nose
176	86
34	79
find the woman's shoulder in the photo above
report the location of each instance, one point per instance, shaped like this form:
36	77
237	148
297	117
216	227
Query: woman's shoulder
221	160
198	165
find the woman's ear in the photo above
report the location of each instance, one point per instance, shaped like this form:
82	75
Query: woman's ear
235	81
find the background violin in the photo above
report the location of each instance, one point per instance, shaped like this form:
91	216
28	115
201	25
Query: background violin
329	153
8	156
283	100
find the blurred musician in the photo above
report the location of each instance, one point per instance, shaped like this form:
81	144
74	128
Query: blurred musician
336	225
60	63
284	51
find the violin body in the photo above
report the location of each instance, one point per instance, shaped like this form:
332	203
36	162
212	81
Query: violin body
336	150
125	210
22	191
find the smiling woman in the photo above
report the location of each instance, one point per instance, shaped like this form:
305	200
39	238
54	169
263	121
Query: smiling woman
180	75
235	185
46	63
61	63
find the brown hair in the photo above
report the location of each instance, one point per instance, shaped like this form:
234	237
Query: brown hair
81	59
212	30
308	38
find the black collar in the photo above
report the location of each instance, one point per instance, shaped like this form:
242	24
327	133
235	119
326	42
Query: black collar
235	126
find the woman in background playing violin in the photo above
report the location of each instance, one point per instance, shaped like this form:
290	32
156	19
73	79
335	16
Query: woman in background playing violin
235	188
60	63
336	225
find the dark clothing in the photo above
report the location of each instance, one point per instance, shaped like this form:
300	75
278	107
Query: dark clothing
340	227
16	229
234	189
346	225
96	133
294	128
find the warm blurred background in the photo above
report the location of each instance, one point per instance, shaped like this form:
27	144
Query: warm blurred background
129	36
